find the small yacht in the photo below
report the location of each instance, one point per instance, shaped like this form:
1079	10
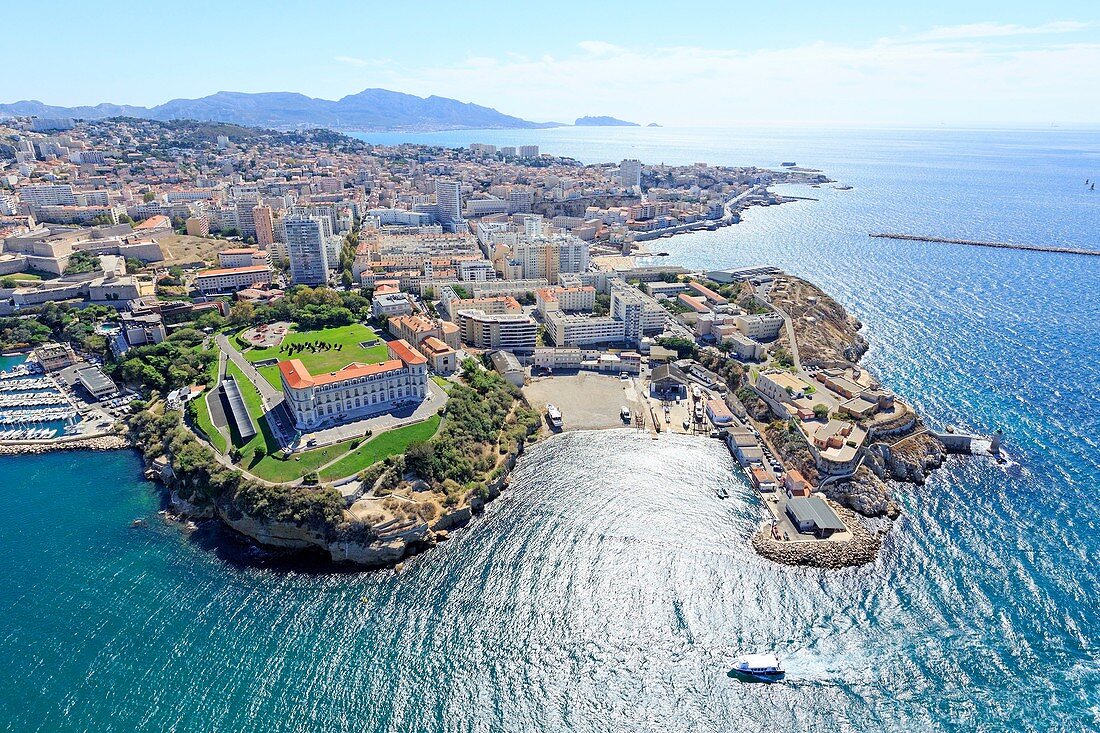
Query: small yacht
760	666
624	413
553	416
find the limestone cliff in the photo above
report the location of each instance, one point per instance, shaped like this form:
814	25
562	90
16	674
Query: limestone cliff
910	459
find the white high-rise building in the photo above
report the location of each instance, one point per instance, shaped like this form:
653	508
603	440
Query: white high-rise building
528	151
305	248
448	205
630	172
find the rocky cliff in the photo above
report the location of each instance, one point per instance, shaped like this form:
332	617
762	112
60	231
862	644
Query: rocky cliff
910	459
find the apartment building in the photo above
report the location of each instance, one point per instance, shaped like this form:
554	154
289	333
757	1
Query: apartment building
230	279
514	332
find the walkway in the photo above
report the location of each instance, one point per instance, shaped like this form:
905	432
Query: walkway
270	397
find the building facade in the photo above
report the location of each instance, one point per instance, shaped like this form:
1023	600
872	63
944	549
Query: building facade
357	390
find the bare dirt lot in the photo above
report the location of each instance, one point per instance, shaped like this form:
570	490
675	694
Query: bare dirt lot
181	249
587	400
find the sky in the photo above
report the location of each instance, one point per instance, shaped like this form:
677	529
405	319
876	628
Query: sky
965	62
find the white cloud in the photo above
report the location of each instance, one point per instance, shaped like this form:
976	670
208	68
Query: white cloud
1000	30
946	75
351	60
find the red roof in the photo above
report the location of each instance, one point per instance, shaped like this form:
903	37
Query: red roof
298	377
404	351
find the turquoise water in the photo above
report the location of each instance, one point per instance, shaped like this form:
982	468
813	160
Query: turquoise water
610	587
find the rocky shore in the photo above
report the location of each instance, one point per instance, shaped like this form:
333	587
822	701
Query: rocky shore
861	549
99	442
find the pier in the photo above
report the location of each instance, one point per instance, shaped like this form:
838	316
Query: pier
996	245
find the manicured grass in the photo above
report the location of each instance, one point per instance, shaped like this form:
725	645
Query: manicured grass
446	384
25	276
272	467
320	362
206	424
389	443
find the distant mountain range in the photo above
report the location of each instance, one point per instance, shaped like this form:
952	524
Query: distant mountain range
369	110
603	121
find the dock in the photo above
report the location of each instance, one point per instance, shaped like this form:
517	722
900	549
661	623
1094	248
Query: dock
995	245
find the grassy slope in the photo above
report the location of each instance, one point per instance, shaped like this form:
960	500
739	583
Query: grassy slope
206	424
272	467
389	443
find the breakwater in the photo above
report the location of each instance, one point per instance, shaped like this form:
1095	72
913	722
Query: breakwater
995	245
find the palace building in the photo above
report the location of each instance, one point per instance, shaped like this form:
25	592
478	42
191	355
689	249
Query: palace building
357	390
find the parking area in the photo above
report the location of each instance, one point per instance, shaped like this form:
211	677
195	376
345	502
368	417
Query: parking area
587	400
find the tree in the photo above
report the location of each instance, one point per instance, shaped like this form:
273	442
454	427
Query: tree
821	411
148	196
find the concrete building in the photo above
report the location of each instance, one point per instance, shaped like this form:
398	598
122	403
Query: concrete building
241	257
630	172
574	330
448	207
357	390
53	356
514	332
571	300
231	279
507	365
641	315
95	382
198	226
388	305
567	358
743	348
761	327
264	223
305	247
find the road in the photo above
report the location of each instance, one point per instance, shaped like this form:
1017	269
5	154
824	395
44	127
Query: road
762	293
271	397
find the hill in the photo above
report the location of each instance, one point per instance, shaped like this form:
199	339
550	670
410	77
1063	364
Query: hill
603	121
371	109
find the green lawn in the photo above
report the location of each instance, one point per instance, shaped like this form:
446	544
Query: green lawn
443	382
347	338
206	424
25	276
389	443
272	467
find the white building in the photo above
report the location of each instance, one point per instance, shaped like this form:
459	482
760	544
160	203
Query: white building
448	206
388	305
567	330
357	390
641	314
241	257
305	248
231	279
630	172
762	327
514	332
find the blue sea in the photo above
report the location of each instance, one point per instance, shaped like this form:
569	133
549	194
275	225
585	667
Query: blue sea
610	587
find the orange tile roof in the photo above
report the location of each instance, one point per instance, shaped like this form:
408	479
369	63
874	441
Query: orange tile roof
298	377
434	346
155	221
404	351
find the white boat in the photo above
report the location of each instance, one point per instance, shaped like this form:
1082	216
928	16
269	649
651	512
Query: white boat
553	416
624	413
759	666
